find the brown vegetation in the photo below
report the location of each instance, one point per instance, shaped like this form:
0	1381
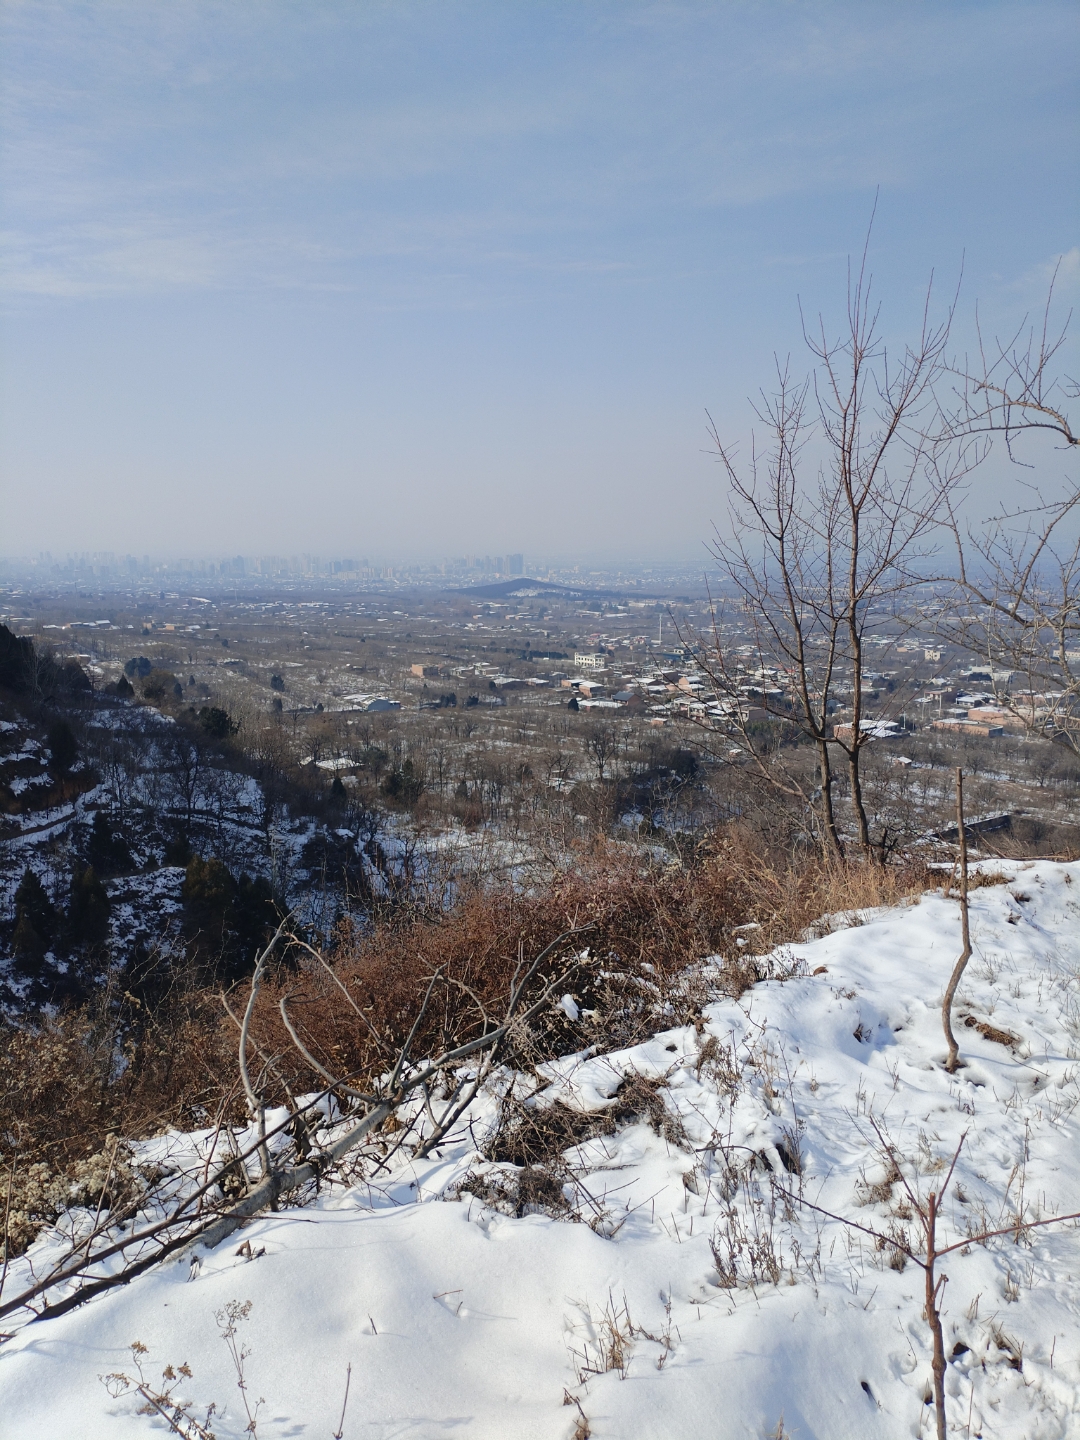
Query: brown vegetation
75	1082
652	926
70	1082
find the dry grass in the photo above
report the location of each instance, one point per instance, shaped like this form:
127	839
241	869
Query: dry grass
69	1083
991	1032
651	928
72	1084
613	1341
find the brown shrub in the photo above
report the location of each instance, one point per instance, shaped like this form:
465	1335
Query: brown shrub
537	1135
648	928
71	1084
537	1189
651	925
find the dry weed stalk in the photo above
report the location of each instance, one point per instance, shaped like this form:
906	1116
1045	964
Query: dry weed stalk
748	1255
582	1429
228	1320
615	1336
161	1398
340	1431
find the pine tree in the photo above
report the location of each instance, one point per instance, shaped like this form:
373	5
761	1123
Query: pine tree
107	852
28	948
35	926
63	747
32	902
88	909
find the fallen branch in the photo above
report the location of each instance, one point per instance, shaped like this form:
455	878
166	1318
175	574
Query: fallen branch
276	1181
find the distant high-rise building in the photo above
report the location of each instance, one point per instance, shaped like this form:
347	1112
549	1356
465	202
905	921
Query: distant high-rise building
515	564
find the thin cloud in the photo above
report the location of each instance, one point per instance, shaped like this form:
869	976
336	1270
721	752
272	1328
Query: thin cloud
139	123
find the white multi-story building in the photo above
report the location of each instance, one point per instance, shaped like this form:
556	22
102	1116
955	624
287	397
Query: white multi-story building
591	660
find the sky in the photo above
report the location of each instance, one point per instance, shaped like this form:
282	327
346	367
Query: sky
427	278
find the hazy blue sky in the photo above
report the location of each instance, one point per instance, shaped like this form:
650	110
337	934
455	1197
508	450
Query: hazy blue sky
424	278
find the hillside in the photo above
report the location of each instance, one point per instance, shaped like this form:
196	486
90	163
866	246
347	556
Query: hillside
662	1276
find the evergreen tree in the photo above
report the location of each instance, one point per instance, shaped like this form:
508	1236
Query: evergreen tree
88	909
217	722
28	948
63	747
32	901
146	977
254	918
208	895
404	785
16	660
107	852
35	926
230	919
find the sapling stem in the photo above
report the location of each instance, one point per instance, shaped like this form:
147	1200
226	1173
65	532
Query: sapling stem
953	1062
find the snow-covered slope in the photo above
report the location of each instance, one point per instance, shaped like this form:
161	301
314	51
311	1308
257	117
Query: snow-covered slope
709	1304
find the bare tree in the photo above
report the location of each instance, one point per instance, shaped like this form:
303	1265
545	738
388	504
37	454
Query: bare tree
929	1254
830	522
185	766
1011	387
1017	609
602	744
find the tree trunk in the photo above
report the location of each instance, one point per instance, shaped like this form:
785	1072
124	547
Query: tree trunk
833	844
933	1317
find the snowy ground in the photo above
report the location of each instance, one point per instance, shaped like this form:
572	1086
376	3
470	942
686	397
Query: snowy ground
708	1305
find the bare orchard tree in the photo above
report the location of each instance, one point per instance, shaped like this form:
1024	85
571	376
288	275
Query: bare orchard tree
1018	604
1012	387
601	745
1018	613
830	522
